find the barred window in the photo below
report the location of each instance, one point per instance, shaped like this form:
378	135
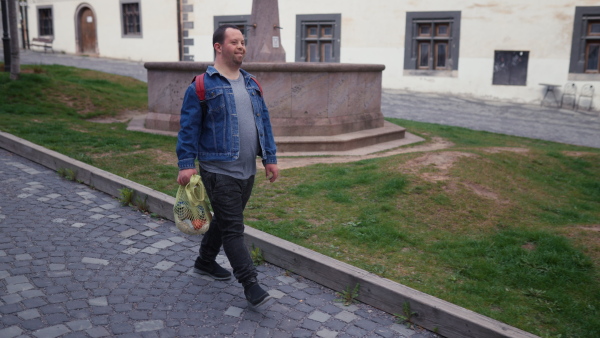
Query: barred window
45	21
432	41
585	44
318	38
131	18
592	46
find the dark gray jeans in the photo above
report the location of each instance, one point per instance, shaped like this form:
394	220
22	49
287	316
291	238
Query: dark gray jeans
228	197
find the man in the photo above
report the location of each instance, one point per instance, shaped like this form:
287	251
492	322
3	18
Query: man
226	138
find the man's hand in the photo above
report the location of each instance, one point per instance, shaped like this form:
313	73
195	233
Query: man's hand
184	176
273	171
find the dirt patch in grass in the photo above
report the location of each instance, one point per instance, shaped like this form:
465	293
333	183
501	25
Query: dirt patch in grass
529	246
81	130
161	156
82	104
587	238
121	117
482	191
577	153
595	228
441	163
495	150
436	143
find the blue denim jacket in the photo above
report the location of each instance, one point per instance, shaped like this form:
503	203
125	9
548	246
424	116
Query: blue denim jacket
214	136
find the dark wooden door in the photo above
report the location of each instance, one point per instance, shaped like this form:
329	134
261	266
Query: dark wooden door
87	32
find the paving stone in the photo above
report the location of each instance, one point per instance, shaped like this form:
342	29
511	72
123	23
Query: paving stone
52	331
34	302
286	279
319	316
29	314
276	294
12	288
128	233
234	311
327	333
23	257
11	332
121	328
79	325
100	301
90	260
32	293
366	324
164	265
163	244
149	233
150	250
13	298
346	316
16	280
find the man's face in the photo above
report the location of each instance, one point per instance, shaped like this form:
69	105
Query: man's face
233	48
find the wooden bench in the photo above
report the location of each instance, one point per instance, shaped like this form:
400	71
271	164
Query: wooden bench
45	43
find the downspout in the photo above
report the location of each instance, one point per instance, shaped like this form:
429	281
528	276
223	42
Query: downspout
179	25
5	37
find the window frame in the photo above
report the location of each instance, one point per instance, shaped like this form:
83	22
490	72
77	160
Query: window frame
510	67
124	33
47	7
236	20
305	20
414	38
579	44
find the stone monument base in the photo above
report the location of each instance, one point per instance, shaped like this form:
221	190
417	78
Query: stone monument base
359	141
314	107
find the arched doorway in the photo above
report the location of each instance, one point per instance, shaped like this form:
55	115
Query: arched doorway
87	38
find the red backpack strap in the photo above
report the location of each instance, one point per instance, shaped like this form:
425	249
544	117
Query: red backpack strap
259	86
200	91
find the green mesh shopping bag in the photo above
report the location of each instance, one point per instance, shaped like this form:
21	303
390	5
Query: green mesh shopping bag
192	215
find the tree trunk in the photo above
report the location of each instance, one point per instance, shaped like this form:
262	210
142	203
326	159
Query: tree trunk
15	64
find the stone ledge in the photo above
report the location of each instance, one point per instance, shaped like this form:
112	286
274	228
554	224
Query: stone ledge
199	67
361	142
447	319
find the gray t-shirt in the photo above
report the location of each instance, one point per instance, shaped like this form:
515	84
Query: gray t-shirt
245	165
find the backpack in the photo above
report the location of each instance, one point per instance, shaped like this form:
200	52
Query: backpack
201	91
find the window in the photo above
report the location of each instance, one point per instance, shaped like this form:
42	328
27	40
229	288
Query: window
585	45
241	21
318	38
510	68
432	40
45	21
131	18
592	46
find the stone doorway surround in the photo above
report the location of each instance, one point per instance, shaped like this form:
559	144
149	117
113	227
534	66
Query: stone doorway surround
85	28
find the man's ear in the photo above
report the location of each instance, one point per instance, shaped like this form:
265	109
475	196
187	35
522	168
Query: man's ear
217	46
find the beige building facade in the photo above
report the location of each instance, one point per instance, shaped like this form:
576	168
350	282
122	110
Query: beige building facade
506	50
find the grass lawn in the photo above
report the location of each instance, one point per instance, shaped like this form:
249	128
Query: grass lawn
508	227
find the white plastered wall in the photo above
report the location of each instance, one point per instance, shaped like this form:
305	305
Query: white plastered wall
374	32
371	32
158	41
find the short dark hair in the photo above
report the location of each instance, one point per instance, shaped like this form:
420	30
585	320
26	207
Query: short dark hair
219	34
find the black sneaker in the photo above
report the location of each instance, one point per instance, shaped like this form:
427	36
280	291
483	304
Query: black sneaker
213	269
255	295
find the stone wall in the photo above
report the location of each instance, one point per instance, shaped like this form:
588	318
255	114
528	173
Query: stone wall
304	99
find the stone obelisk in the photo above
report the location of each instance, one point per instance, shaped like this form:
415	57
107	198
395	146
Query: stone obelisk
263	34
